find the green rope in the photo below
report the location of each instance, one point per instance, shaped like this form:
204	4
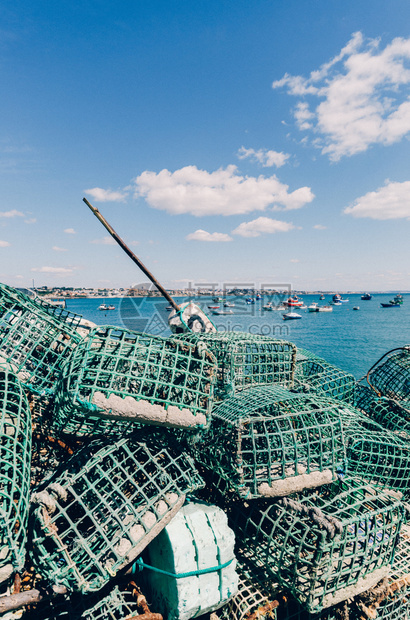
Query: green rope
139	565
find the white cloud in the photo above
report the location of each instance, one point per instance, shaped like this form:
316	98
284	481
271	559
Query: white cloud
104	241
319	227
57	249
261	225
31	220
392	201
56	270
70	231
4	244
264	157
294	260
202	235
105	195
364	93
12	213
222	192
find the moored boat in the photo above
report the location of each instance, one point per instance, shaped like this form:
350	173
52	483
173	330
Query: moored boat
390	304
289	316
313	307
366	297
294	302
325	309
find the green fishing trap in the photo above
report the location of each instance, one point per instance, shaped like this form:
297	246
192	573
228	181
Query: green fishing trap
326	547
254	599
314	373
104	506
393	602
388	413
268	441
390	376
117	377
245	360
33	342
381	457
114	604
15	454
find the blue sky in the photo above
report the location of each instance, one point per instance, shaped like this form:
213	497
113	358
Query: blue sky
263	142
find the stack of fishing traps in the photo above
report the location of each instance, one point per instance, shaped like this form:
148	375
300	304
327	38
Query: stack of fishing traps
224	476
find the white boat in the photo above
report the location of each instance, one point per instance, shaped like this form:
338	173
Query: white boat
289	316
229	305
313	307
325	309
356	307
268	307
222	312
102	307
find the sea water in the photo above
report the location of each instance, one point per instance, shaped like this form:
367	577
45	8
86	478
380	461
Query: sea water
351	339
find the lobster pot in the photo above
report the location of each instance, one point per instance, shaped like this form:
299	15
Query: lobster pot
380	457
113	605
387	412
197	539
314	373
33	342
245	360
128	377
327	547
253	599
391	376
15	453
269	442
100	512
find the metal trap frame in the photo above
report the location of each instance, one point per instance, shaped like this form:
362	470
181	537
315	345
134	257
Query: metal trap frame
326	547
33	342
98	513
390	376
268	442
254	599
15	456
117	377
245	360
314	373
388	413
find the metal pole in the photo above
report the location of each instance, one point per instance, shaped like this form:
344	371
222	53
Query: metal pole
132	256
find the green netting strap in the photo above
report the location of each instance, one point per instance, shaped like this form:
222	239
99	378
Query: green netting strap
139	565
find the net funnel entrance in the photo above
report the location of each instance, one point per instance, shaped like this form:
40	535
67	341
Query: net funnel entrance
15	455
118	377
324	548
314	373
269	442
32	341
245	360
100	512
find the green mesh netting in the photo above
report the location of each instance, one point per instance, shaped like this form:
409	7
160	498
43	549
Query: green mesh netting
381	457
292	610
104	507
15	454
385	411
326	547
32	341
127	377
390	376
267	441
116	604
245	360
314	373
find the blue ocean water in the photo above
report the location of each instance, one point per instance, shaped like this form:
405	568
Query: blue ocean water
352	340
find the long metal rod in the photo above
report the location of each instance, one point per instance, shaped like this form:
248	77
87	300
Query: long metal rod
132	256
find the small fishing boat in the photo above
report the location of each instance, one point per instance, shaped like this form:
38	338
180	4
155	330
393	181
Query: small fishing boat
250	300
222	312
228	304
289	316
102	307
398	299
390	304
111	308
343	301
294	302
216	299
169	308
356	307
268	307
366	297
313	307
213	307
321	297
324	309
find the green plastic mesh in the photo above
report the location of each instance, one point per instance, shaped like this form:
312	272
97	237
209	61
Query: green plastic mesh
125	376
326	547
293	610
314	373
385	411
15	453
115	604
104	507
267	441
382	458
245	360
391	376
32	341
